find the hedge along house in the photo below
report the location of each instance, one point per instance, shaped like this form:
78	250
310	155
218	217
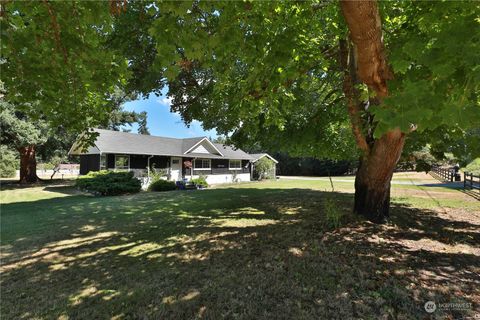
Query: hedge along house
182	158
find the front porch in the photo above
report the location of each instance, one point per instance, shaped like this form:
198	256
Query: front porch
173	168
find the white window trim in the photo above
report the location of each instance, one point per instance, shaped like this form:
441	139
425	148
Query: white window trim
230	164
122	155
209	162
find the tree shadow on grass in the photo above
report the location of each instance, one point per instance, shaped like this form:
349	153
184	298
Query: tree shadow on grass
232	253
9	184
474	193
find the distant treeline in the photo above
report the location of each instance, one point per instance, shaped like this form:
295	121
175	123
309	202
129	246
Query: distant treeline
292	166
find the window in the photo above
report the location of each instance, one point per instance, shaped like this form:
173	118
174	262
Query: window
175	161
201	164
235	164
122	162
103	161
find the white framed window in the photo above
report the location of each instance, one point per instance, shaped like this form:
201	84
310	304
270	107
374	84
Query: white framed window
202	164
234	164
103	162
122	162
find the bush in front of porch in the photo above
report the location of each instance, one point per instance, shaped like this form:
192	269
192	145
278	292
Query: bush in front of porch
108	183
162	185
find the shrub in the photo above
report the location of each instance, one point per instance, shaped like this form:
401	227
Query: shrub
473	167
201	181
333	214
8	163
161	185
424	160
265	168
109	183
157	174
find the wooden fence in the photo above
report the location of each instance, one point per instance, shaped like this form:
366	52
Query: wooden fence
471	181
447	174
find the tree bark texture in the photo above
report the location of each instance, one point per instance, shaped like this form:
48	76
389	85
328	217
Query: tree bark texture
28	165
364	61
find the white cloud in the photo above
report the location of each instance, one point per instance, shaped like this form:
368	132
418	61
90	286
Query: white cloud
166	101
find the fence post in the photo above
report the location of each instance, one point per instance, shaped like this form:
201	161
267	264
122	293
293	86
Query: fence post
471	180
464	180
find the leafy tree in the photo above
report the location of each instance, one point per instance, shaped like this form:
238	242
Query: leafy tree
34	139
473	167
424	160
130	36
8	162
57	145
142	123
68	77
117	118
309	78
56	69
219	139
318	79
24	135
307	166
55	56
264	168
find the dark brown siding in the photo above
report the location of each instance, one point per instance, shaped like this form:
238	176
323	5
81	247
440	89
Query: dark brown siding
110	161
161	162
89	162
138	161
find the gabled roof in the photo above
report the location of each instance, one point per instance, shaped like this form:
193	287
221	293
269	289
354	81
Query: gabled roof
188	143
258	156
118	142
204	140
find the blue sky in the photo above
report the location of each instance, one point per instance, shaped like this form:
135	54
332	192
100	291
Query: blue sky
162	122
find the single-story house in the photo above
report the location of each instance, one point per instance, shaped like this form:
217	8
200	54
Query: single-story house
182	158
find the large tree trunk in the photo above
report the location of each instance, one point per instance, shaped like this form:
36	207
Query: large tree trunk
363	59
372	182
28	165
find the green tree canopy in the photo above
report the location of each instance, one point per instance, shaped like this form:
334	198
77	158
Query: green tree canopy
17	130
301	75
55	55
270	72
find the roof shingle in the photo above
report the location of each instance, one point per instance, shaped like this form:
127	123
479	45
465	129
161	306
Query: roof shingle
118	142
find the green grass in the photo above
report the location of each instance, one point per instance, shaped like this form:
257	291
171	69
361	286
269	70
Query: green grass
246	251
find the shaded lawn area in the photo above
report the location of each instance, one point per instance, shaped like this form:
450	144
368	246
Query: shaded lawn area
249	251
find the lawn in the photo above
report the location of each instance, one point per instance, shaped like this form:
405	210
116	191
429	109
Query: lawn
246	251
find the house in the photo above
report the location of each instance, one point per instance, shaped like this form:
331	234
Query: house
182	158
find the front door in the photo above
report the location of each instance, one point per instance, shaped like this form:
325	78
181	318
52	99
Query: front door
176	168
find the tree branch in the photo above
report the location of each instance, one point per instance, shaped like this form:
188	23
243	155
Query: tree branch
364	24
347	61
56	31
